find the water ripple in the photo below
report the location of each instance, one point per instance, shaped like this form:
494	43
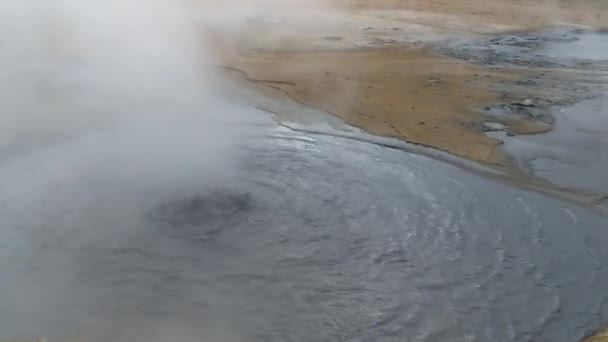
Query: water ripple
316	239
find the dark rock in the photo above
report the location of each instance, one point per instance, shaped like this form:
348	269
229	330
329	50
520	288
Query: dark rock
528	83
524	103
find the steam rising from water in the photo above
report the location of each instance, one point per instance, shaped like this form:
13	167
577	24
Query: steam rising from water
106	109
105	106
69	65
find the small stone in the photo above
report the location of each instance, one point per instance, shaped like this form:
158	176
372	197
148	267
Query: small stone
493	126
524	103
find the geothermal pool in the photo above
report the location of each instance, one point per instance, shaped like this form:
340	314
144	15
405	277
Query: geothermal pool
310	238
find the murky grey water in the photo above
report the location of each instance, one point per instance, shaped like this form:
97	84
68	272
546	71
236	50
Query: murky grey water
586	46
313	238
573	154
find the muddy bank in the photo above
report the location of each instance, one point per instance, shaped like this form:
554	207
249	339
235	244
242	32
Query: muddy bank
600	336
405	93
416	94
411	79
549	76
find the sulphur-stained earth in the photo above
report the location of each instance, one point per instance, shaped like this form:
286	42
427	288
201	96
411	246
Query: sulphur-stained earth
441	74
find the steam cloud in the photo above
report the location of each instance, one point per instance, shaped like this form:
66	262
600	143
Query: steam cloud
106	108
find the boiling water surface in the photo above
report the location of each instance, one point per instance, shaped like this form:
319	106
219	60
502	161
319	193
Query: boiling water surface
312	238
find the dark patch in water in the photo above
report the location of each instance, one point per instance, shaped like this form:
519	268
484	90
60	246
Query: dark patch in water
204	215
503	110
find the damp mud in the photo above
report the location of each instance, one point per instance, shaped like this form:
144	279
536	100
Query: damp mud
600	335
544	48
